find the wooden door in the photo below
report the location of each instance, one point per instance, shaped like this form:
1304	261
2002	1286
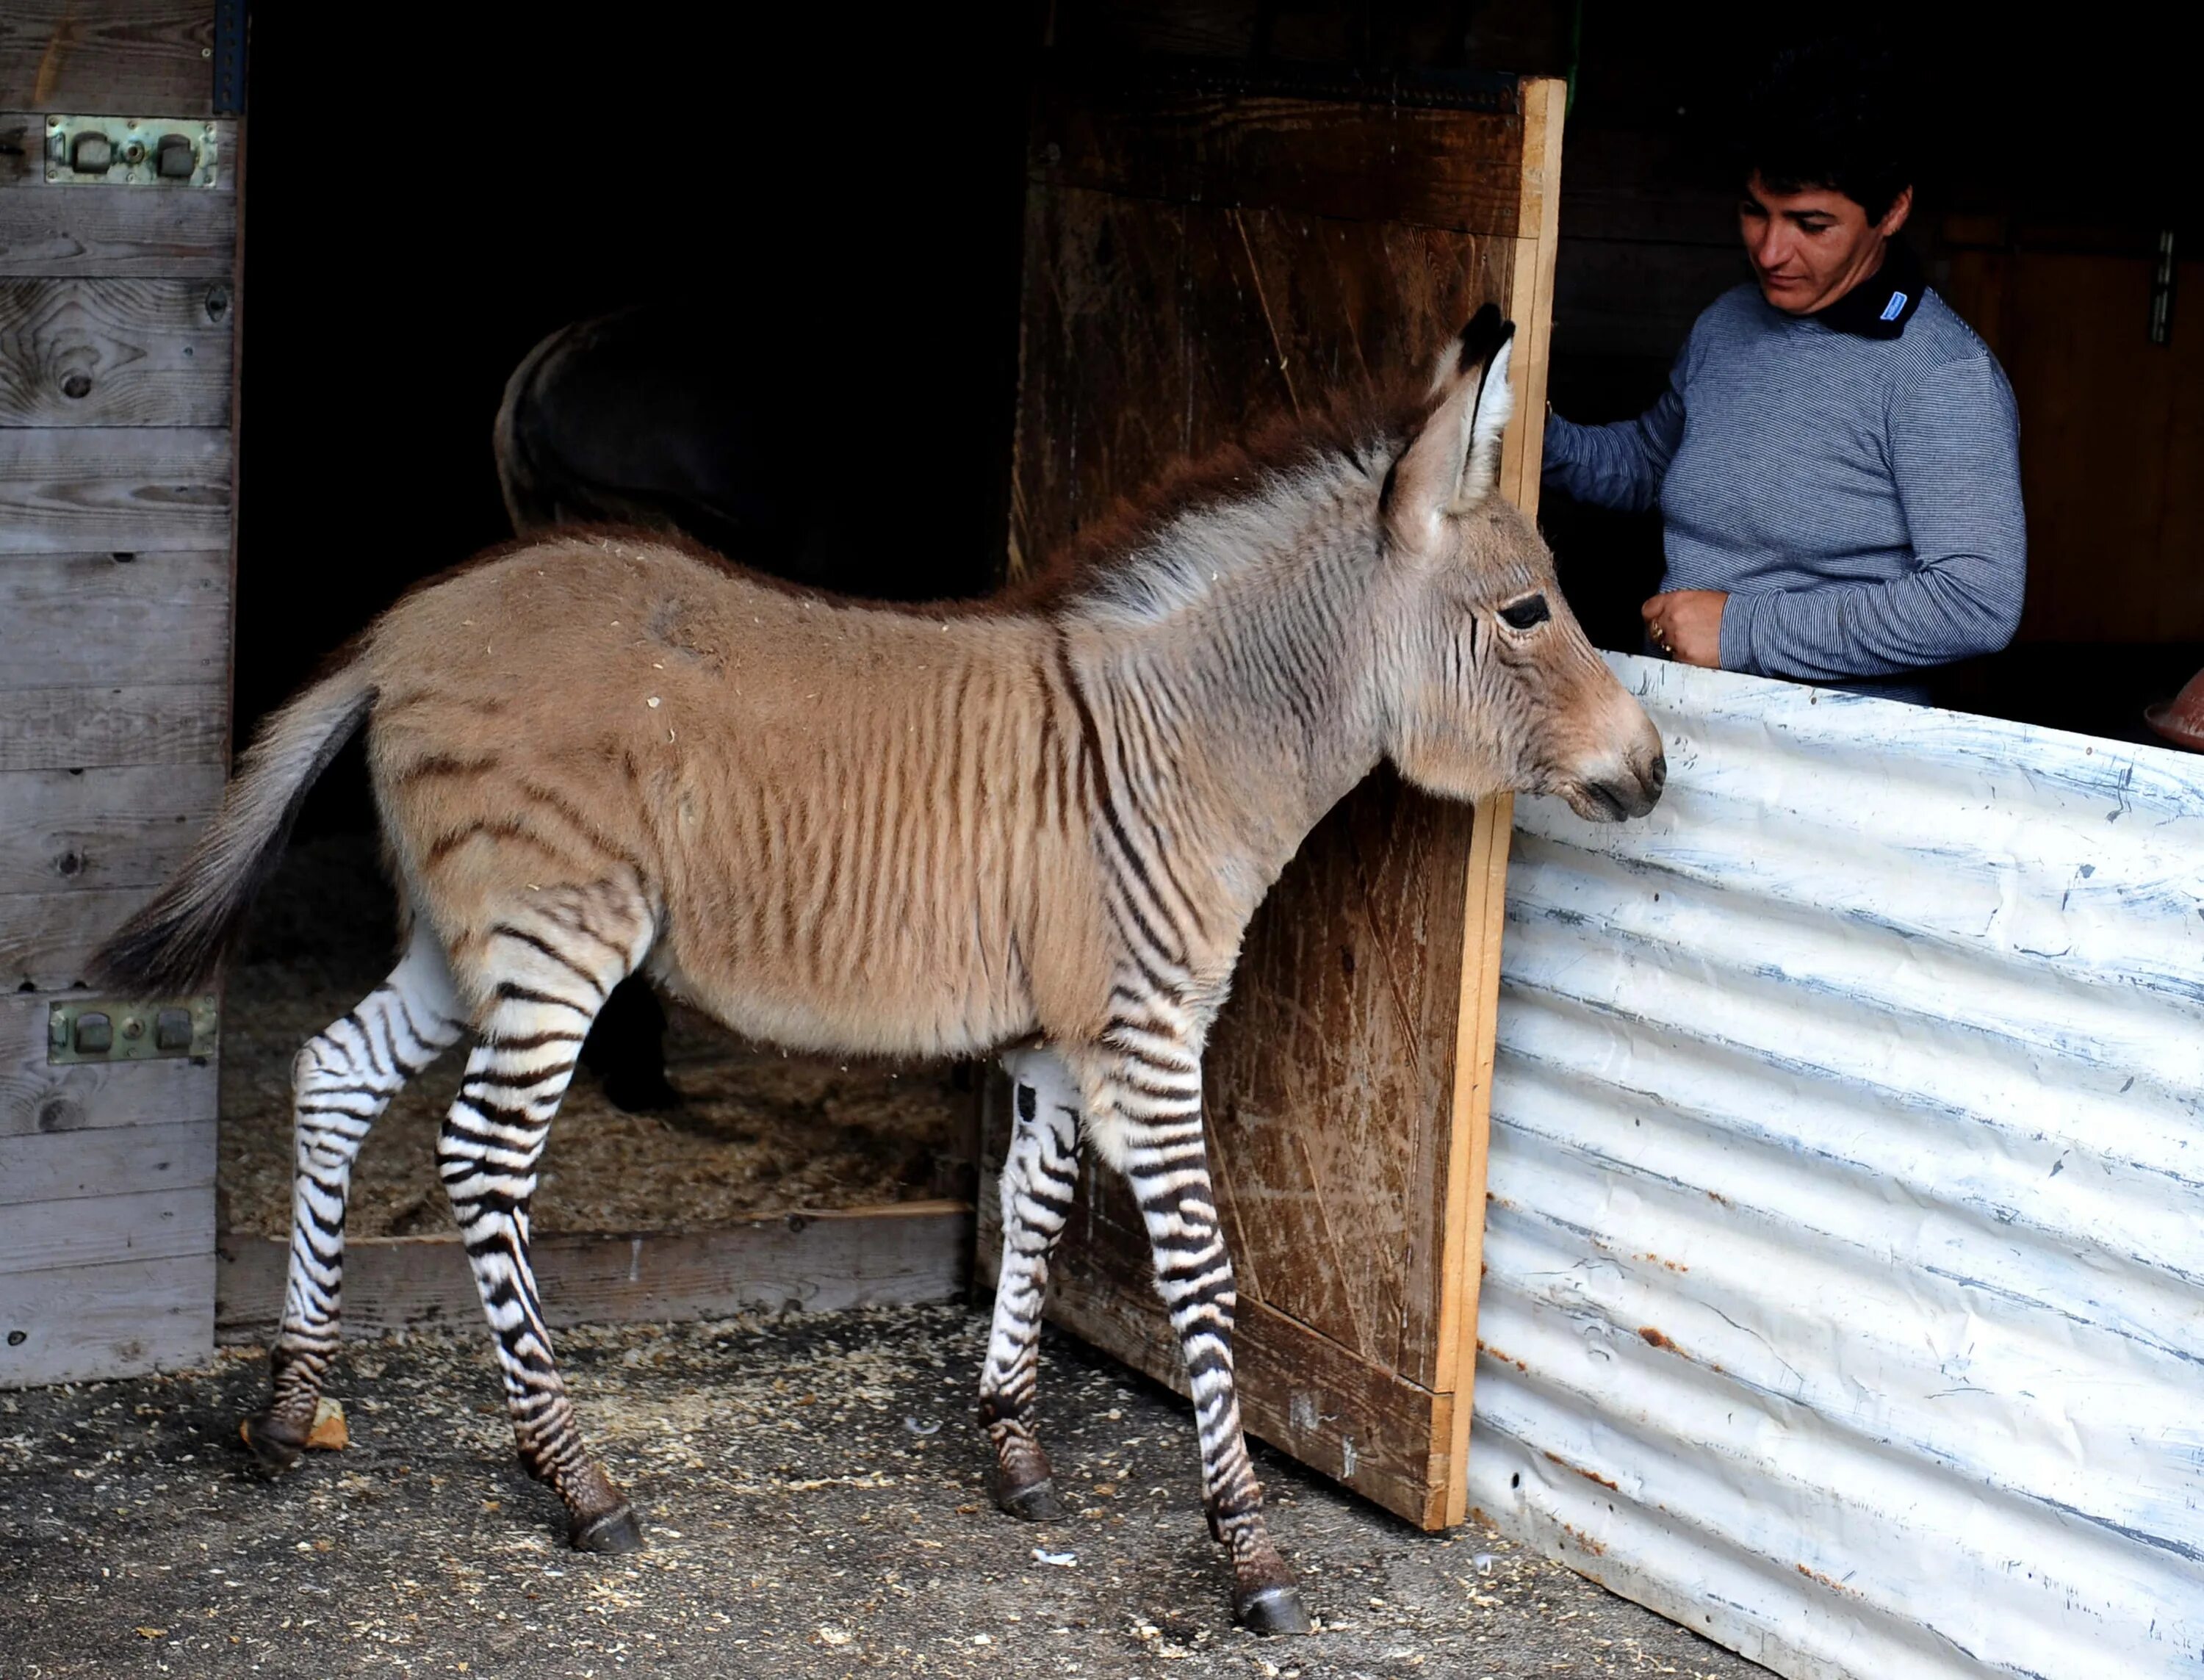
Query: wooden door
1203	251
2111	426
117	314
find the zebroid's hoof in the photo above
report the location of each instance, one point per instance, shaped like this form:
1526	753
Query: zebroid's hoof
1270	1609
617	1530
274	1446
1035	1502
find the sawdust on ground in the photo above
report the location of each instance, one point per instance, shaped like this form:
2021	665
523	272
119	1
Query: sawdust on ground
812	1492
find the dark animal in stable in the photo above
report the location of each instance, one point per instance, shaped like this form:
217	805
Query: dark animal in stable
638	418
1040	825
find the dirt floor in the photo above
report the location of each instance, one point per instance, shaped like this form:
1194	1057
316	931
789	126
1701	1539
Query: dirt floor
811	1486
758	1129
811	1493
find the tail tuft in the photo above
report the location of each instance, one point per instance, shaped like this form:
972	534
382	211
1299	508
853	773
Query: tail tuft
175	945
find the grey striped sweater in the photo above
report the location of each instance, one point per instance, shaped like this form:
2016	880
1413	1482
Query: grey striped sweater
1858	498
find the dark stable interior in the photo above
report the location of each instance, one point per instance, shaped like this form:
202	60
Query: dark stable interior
837	199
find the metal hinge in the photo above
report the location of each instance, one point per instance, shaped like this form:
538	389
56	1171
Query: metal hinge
130	150
93	1029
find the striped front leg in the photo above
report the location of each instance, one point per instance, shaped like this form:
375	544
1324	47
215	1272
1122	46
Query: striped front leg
341	1080
1040	1182
1146	1104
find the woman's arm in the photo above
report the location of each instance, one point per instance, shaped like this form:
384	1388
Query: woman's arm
1619	465
1955	461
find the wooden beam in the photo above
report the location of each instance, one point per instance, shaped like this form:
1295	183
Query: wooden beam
1471	1134
1531	288
1531	293
821	1261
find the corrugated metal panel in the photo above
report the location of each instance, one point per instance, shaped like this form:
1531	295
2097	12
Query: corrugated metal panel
1845	1287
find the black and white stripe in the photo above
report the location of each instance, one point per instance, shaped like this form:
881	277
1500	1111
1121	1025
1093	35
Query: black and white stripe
341	1080
1040	1185
545	970
1135	1093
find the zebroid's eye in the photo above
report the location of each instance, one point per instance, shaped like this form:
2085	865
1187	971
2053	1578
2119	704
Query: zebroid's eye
1525	614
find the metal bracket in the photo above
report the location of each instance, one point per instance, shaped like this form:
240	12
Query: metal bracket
92	1029
130	150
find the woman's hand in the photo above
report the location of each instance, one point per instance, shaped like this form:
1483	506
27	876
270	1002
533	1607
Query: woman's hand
1686	624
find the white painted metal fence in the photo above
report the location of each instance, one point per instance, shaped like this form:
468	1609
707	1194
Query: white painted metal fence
1844	1296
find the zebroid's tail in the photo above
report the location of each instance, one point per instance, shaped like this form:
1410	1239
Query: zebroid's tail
176	943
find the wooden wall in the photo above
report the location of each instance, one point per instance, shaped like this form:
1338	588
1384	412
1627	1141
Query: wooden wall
118	320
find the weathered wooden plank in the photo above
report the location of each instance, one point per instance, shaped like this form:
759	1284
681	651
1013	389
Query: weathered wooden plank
76	728
115	352
124	57
80	619
821	1261
123	1319
1409	163
1329	1069
46	937
95	830
36	1096
129	488
109	1161
96	1230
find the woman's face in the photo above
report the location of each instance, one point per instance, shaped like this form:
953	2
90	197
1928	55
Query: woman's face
1810	248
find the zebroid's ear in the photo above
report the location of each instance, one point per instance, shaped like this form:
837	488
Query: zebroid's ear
1453	462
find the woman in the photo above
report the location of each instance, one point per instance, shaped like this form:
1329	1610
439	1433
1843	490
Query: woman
1836	458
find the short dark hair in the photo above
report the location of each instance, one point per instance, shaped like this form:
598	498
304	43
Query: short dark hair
1834	115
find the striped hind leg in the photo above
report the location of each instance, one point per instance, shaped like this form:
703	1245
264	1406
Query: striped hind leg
1144	1110
1040	1182
343	1079
545	971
